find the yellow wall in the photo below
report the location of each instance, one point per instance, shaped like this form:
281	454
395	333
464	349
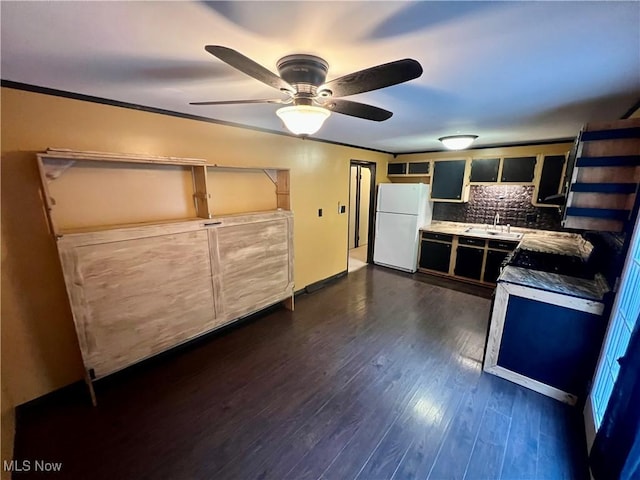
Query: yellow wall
39	350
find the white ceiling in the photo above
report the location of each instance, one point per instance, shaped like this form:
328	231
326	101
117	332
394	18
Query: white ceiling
508	72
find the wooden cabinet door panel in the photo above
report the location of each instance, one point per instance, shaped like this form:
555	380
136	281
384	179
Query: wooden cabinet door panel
518	169
485	169
435	256
493	264
469	262
448	179
254	265
550	178
134	298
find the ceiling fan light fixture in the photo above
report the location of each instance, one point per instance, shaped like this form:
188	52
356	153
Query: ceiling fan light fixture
303	119
458	142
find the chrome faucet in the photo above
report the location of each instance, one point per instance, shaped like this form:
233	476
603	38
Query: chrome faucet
496	220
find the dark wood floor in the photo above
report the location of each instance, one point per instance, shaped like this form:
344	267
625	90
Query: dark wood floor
376	376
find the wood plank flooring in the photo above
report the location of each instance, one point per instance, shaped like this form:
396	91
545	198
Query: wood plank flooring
376	376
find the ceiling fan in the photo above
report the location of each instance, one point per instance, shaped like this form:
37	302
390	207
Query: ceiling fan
309	97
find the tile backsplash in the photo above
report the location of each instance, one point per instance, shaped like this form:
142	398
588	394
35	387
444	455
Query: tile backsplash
512	202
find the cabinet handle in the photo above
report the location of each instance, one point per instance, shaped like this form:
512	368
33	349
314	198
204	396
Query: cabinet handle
211	224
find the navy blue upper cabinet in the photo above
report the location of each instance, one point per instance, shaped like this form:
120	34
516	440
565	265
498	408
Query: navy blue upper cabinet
485	169
396	169
448	180
550	185
409	169
518	169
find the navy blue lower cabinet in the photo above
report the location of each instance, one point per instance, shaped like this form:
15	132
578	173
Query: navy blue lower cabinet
545	341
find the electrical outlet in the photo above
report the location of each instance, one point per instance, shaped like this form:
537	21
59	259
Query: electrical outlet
343	209
319	212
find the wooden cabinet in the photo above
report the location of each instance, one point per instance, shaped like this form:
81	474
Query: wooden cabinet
518	170
448	180
469	262
404	172
435	252
549	185
545	341
419	168
493	264
510	170
139	289
603	176
472	259
254	262
396	168
484	170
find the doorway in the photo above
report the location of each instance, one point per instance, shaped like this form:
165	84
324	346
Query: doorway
362	181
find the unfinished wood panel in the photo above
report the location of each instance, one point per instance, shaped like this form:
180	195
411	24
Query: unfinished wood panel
201	193
216	273
608	174
616	201
63	153
89	236
236	191
91	194
283	190
589	223
45	196
604	148
615	124
134	298
255	262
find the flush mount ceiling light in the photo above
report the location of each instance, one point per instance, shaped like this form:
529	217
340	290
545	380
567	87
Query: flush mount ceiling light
458	142
303	119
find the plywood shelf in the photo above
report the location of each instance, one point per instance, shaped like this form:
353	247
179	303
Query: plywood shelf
603	184
146	189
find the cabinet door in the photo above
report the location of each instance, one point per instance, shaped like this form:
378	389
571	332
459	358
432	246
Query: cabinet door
417	168
492	265
485	169
448	179
396	168
469	262
435	256
550	179
253	268
134	298
518	169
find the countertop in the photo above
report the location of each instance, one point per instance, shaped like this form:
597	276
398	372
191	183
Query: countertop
535	240
553	282
541	241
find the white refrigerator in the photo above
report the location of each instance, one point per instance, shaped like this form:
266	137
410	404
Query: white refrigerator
401	210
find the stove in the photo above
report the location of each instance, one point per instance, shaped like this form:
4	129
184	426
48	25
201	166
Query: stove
552	263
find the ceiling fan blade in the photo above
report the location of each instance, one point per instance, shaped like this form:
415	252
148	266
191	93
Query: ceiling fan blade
360	110
248	66
374	78
239	102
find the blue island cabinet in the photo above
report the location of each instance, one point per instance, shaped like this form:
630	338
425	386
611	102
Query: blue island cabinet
545	341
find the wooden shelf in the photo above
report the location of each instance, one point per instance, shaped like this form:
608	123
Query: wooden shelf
603	184
401	175
56	163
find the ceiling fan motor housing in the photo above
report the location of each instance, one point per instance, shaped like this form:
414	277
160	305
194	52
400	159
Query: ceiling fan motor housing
303	69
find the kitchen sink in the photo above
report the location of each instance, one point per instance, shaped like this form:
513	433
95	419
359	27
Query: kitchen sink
481	232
